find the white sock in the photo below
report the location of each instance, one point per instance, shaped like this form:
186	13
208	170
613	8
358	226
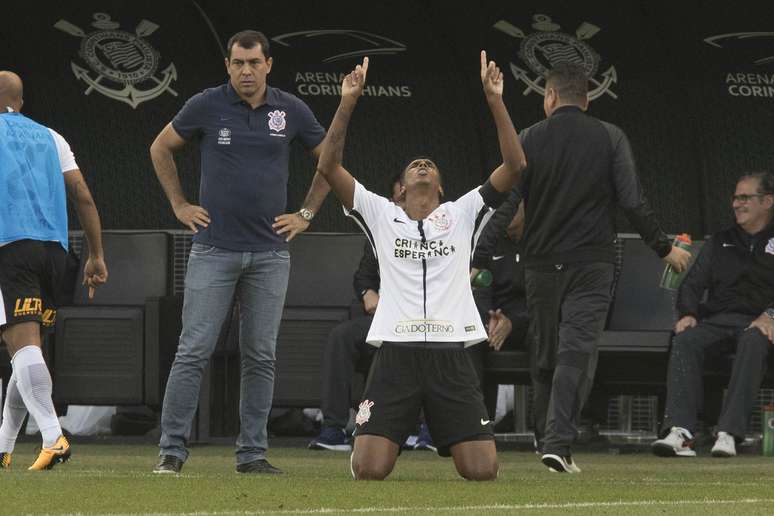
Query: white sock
34	383
14	412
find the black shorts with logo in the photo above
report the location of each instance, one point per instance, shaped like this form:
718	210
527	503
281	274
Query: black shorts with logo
32	280
408	377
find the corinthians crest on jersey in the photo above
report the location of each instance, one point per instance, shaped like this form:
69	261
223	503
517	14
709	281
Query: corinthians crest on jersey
121	65
548	46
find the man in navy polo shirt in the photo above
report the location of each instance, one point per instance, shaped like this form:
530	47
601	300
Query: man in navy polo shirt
244	129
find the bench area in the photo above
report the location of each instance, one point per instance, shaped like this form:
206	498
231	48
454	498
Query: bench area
117	350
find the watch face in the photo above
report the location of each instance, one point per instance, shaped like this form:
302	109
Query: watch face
305	214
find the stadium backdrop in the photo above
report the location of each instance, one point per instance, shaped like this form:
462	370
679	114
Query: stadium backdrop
691	82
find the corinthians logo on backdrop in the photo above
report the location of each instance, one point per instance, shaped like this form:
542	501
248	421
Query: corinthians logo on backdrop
124	65
543	49
336	45
759	83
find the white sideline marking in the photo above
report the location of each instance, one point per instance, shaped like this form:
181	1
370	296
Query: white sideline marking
495	507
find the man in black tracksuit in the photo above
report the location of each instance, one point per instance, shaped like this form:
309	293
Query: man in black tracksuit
736	269
578	169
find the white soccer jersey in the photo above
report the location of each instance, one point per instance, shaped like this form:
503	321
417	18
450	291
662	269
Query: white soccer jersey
424	266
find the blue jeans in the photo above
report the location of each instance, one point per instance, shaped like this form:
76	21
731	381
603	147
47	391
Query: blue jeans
214	277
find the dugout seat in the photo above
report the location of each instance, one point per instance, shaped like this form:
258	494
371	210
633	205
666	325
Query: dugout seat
634	349
117	349
319	297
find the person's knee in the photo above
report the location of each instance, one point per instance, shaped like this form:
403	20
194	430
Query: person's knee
682	344
480	471
19	335
753	341
370	470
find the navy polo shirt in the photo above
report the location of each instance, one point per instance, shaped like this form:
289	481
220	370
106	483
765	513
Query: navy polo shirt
244	162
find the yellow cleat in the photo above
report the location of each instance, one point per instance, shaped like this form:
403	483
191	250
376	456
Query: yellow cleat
5	460
50	457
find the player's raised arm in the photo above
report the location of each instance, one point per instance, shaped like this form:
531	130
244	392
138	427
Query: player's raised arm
329	165
508	174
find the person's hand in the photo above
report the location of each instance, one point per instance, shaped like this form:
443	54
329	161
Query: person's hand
684	323
498	329
766	325
678	258
491	77
473	273
290	223
95	273
353	83
370	300
192	215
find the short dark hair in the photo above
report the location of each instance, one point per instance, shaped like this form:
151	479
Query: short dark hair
570	82
765	181
248	39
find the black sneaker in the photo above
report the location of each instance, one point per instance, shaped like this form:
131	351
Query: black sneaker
560	463
168	465
331	438
258	466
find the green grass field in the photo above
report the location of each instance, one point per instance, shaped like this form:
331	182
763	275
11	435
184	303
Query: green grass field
117	479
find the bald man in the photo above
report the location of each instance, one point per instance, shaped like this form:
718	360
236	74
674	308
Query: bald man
37	173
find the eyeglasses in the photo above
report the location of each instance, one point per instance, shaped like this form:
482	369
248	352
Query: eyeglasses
746	197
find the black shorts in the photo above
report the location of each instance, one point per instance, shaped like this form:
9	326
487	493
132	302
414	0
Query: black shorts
408	377
32	280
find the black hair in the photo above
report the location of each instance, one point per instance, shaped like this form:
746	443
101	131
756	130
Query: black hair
248	39
570	82
765	181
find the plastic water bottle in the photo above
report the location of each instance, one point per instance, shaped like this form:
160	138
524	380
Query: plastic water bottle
483	279
767	414
671	279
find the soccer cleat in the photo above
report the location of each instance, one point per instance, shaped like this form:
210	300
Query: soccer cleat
169	465
50	457
260	466
559	463
424	439
678	443
331	438
725	446
5	460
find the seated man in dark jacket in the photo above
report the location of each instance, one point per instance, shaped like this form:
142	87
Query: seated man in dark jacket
502	305
736	269
345	352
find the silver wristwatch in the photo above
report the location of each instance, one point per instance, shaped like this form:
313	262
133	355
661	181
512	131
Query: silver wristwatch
769	312
306	214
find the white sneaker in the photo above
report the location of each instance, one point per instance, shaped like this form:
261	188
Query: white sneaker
725	446
559	464
679	443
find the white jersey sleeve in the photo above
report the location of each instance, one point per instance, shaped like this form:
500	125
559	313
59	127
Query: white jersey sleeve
367	208
475	212
471	204
66	157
